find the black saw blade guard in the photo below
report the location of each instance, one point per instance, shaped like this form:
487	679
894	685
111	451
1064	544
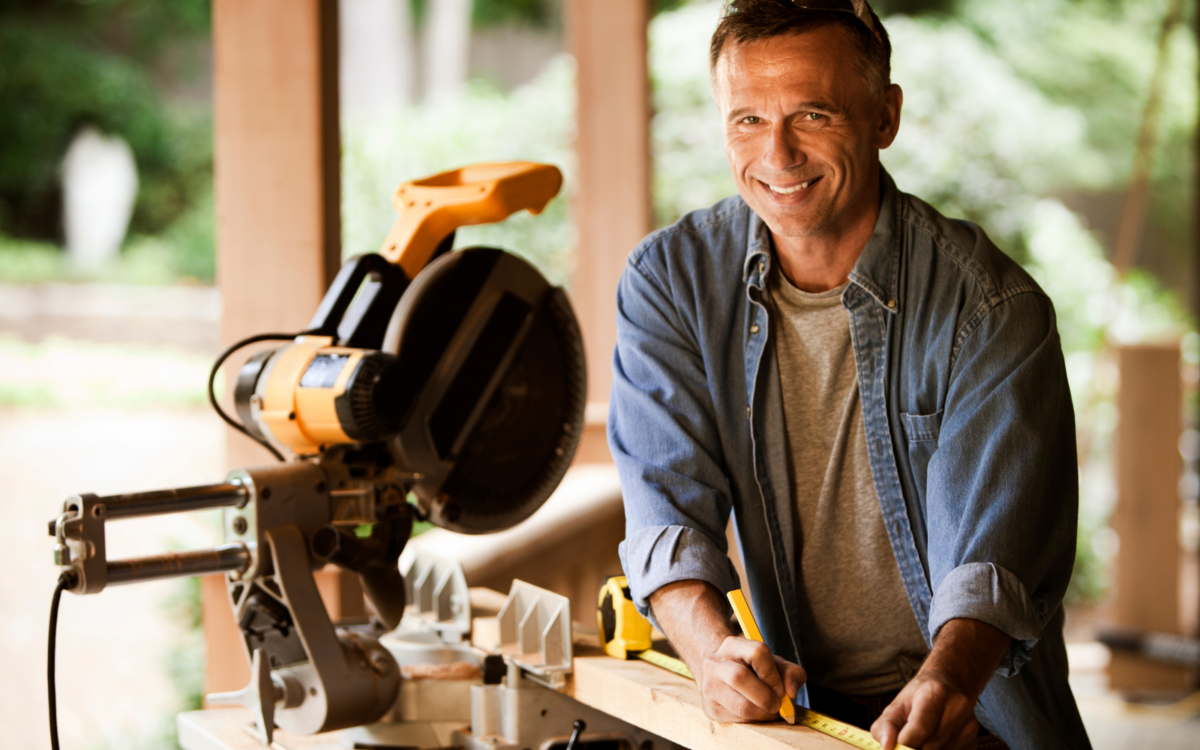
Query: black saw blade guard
492	390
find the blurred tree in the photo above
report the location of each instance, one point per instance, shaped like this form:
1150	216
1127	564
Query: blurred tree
65	63
1097	56
912	7
537	13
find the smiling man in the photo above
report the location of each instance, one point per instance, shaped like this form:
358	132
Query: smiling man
878	396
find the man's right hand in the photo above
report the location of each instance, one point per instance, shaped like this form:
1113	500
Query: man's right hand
743	681
740	680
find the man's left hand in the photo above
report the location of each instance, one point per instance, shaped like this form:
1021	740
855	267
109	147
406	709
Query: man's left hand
929	713
936	710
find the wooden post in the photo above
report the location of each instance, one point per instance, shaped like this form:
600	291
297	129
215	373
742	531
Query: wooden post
278	206
611	205
1148	467
276	168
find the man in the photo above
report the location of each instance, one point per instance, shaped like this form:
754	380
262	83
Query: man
878	396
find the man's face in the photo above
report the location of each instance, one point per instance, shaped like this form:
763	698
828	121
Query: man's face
803	131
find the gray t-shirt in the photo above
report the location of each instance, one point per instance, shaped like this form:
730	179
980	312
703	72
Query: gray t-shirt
858	631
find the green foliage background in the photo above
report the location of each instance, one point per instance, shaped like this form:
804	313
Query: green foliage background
64	64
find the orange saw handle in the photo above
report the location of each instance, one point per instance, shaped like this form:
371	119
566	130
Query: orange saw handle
431	208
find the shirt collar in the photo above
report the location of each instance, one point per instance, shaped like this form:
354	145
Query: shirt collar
876	269
758	247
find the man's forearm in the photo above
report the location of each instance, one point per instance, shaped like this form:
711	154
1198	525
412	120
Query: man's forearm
965	655
694	617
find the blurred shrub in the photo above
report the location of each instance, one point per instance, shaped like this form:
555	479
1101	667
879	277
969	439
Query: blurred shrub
64	64
1097	57
184	253
187	250
30	261
534	123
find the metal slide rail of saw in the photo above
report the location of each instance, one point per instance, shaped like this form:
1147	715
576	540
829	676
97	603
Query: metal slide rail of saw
279	525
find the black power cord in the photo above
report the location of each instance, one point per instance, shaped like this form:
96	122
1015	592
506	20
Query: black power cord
212	377
67	580
579	726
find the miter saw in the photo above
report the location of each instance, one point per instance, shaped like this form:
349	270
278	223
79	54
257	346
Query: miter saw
430	384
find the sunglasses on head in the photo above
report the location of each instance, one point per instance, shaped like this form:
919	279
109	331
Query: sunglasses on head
858	8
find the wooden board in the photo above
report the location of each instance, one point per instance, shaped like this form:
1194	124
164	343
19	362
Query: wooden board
668	705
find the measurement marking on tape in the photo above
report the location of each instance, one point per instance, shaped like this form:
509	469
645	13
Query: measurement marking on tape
860	738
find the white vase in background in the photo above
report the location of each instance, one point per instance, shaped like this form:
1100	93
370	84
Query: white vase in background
99	182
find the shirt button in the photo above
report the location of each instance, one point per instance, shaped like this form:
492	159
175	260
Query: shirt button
747	412
754	328
761	266
892	304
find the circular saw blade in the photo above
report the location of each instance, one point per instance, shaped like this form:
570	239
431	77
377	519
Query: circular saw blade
495	388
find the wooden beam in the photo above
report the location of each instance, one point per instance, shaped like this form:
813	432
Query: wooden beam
610	206
276	165
276	168
1146	575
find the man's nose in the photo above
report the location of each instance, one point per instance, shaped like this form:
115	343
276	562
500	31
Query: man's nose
783	149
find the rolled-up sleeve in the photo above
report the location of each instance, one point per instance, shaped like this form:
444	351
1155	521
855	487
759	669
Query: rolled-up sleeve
663	436
1002	497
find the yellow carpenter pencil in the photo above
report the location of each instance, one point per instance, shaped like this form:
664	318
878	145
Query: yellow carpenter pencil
745	618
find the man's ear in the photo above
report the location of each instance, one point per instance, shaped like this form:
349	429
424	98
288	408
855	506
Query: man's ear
889	116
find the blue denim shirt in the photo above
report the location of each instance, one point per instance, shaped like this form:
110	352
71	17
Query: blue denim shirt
968	422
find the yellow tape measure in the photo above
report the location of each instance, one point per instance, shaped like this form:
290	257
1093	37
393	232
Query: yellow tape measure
624	633
668	663
860	738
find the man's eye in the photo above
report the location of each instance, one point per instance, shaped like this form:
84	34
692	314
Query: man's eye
812	116
751	120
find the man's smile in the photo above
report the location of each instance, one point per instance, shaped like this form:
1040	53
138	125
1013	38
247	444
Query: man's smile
789	189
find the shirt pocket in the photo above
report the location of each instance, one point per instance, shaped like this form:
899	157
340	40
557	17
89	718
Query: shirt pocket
921	431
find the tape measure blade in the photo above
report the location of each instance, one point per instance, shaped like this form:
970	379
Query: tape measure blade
666	662
838	730
847	733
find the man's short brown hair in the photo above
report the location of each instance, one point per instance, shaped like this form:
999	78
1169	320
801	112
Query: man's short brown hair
752	20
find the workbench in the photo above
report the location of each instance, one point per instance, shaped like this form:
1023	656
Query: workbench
646	696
